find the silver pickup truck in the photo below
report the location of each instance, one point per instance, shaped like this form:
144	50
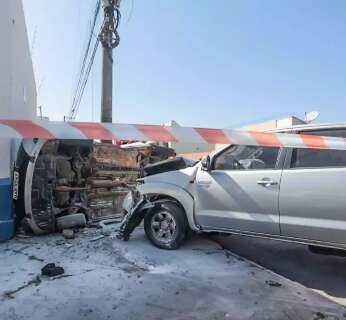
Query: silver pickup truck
279	193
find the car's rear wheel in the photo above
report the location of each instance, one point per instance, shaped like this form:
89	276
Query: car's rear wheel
166	226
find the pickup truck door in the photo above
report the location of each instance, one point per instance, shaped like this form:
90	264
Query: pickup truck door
312	195
241	190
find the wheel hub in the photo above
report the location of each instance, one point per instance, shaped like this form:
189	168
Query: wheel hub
163	226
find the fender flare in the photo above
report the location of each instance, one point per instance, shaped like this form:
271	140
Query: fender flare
174	192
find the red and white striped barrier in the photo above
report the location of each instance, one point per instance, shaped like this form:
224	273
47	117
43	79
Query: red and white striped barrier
25	129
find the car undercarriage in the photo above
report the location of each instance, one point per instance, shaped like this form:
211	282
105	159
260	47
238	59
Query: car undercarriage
61	178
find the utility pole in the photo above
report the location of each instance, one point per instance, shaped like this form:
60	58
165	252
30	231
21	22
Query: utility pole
110	39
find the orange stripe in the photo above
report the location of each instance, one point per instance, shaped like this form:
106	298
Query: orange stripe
312	141
266	139
93	130
213	136
155	133
28	129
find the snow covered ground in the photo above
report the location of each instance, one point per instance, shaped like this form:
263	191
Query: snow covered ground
111	279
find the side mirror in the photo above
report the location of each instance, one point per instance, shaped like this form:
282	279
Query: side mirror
206	163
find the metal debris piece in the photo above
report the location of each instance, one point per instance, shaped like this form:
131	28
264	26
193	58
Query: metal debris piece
272	283
105	229
133	219
97	238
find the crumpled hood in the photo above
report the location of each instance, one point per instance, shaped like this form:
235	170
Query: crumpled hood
182	178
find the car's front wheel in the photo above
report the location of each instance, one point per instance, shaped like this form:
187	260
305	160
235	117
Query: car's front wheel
166	226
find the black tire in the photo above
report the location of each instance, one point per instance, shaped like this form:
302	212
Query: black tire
173	212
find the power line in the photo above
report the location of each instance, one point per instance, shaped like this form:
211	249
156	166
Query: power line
84	82
84	72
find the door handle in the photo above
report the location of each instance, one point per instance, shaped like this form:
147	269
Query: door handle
204	182
267	182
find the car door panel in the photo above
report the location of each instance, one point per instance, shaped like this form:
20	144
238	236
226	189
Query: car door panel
241	191
235	200
313	204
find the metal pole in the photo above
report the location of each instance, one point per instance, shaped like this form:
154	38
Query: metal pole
110	39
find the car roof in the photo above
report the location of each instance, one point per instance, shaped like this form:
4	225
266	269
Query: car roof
298	128
311	127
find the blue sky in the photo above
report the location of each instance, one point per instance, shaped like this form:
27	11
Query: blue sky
207	63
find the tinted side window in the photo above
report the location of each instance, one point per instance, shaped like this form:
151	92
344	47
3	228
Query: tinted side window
247	158
314	158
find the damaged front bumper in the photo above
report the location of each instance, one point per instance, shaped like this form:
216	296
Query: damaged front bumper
135	211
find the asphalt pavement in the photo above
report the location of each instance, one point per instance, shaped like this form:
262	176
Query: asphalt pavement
325	274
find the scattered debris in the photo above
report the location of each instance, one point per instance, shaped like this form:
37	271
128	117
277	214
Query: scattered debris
68	234
36	282
32	257
105	229
272	283
97	238
60	242
319	316
51	270
62	276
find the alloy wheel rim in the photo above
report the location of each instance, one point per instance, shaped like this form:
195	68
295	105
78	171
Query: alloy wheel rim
163	226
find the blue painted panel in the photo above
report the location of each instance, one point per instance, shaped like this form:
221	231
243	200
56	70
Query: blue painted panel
6	213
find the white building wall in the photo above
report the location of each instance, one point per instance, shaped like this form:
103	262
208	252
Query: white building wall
17	82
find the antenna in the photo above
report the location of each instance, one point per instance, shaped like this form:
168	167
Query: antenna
311	116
